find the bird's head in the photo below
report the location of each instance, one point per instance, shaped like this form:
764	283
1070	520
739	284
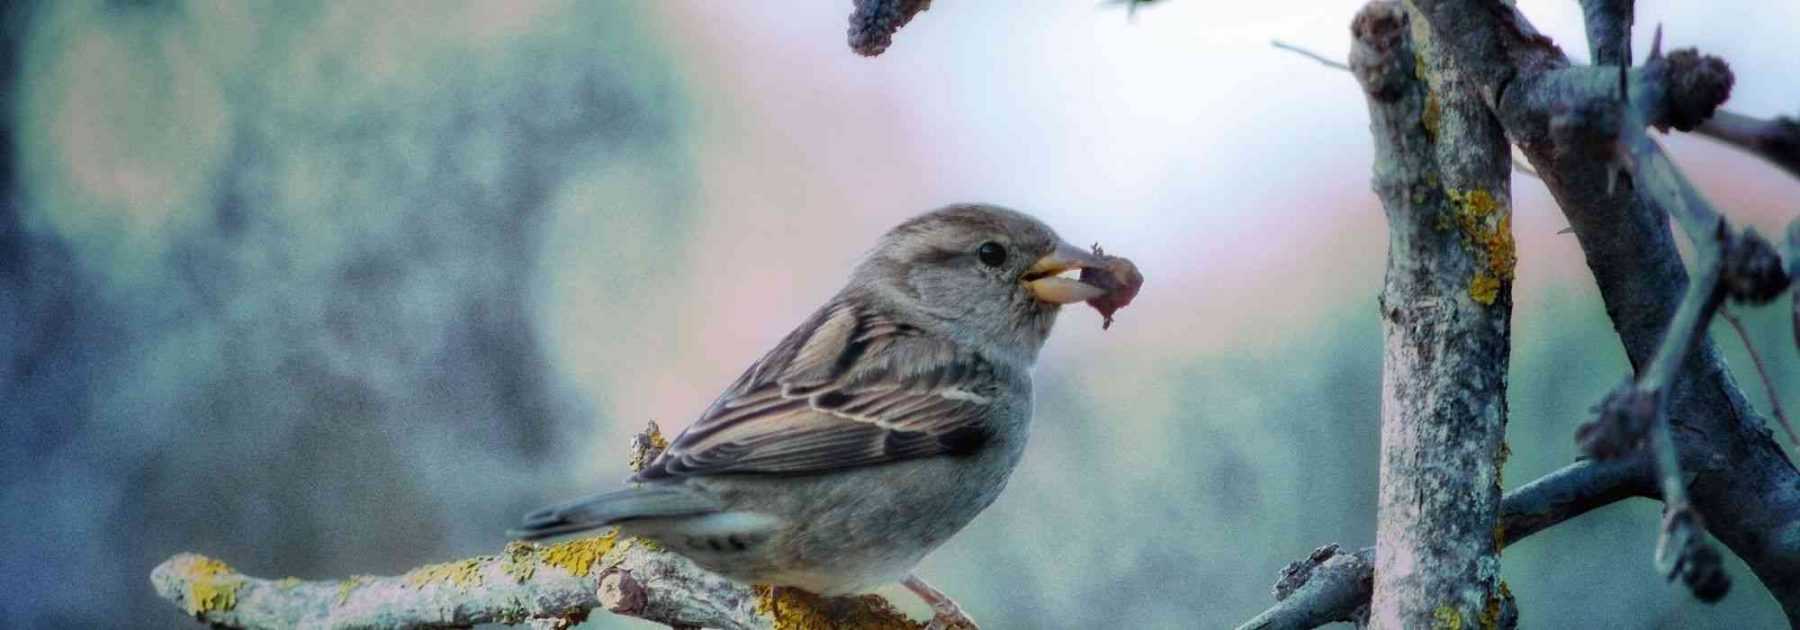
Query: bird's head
983	275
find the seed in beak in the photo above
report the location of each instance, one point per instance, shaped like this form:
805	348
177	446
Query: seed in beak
1060	290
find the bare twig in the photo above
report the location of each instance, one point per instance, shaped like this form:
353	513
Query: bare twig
1329	62
1776	140
1762	371
1131	6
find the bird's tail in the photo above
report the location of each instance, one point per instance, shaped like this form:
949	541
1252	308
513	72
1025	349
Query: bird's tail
608	508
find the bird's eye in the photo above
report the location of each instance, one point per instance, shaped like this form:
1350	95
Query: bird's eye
991	254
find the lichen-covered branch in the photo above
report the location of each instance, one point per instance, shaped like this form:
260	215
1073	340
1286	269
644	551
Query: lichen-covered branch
557	585
1442	170
553	585
1331	586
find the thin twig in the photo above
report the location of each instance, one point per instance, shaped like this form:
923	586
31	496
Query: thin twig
1329	62
1763	372
1776	140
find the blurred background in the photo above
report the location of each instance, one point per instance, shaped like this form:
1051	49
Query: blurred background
344	288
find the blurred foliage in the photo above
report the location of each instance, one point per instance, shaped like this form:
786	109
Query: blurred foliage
269	273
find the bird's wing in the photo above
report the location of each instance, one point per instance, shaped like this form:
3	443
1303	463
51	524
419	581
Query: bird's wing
848	388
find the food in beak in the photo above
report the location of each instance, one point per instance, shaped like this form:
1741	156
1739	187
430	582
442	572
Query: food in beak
1119	281
1107	283
1060	290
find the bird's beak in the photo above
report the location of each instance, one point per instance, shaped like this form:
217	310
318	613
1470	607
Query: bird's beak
1046	285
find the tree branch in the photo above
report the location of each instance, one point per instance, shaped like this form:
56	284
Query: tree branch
546	585
1442	170
1572	127
1776	140
1331	586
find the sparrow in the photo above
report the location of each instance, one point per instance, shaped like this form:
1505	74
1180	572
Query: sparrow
877	429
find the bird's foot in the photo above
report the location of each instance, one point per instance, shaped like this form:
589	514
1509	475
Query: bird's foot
945	613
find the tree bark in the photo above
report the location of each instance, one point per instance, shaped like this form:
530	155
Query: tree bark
1442	170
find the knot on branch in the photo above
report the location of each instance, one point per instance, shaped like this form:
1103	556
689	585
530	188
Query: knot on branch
645	446
1694	87
1750	269
1348	576
874	22
1381	58
1682	552
1622	419
621	593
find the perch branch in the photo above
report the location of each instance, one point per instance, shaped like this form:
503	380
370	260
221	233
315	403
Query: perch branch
554	585
1309	597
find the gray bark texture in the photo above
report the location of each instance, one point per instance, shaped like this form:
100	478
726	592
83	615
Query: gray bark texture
1442	170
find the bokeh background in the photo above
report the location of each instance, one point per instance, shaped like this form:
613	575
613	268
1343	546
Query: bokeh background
340	288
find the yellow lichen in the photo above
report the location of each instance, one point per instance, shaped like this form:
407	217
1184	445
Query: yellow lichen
519	560
647	544
1446	617
578	556
211	585
795	609
346	586
1490	613
1433	116
1485	224
645	446
287	583
1484	288
458	573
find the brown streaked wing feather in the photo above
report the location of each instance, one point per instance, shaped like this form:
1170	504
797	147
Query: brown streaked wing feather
830	396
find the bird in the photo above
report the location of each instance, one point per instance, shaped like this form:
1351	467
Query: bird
873	432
